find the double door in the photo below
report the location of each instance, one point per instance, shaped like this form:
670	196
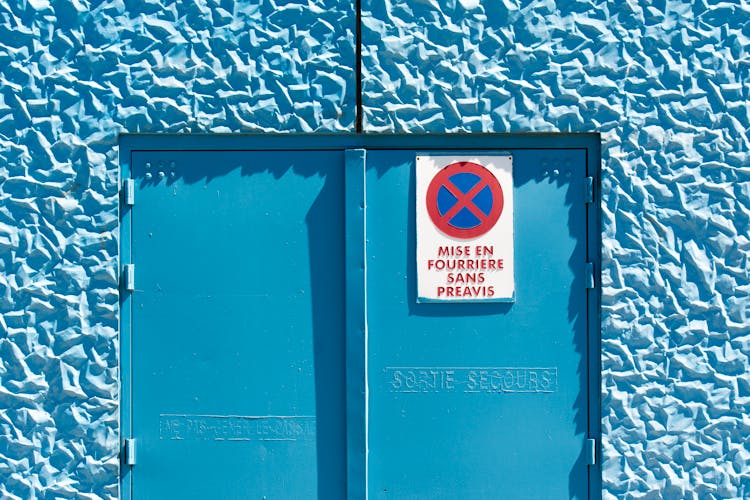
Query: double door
273	345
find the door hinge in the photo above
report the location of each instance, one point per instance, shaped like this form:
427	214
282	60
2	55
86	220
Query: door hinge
591	451
129	452
589	190
128	277
128	188
590	275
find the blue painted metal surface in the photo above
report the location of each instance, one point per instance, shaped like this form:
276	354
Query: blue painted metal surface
356	325
237	328
252	294
474	401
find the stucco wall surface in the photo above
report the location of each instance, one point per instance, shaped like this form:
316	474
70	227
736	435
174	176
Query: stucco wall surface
667	83
74	74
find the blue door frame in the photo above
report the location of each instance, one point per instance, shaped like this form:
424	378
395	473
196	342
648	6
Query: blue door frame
354	148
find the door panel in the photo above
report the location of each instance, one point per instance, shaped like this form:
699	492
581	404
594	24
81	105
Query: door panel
479	400
237	330
273	346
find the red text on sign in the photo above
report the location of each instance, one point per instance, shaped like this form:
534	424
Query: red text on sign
465	278
466	265
466	291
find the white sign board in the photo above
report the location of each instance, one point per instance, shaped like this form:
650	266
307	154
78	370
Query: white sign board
465	228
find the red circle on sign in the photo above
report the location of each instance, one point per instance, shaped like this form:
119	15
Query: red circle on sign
464	200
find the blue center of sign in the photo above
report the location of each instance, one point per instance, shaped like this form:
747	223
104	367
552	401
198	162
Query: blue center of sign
464	218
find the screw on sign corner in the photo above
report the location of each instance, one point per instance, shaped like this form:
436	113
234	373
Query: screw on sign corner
464	200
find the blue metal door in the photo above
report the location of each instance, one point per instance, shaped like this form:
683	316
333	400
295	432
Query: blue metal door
236	321
478	401
273	345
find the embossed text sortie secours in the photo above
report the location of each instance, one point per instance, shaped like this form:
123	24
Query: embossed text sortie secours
471	379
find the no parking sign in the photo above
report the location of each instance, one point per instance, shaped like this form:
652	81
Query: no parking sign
465	228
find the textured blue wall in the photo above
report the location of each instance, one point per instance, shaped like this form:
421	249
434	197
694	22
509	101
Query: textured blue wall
74	74
667	85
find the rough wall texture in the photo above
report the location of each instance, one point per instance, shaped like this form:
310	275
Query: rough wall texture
668	86
74	74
